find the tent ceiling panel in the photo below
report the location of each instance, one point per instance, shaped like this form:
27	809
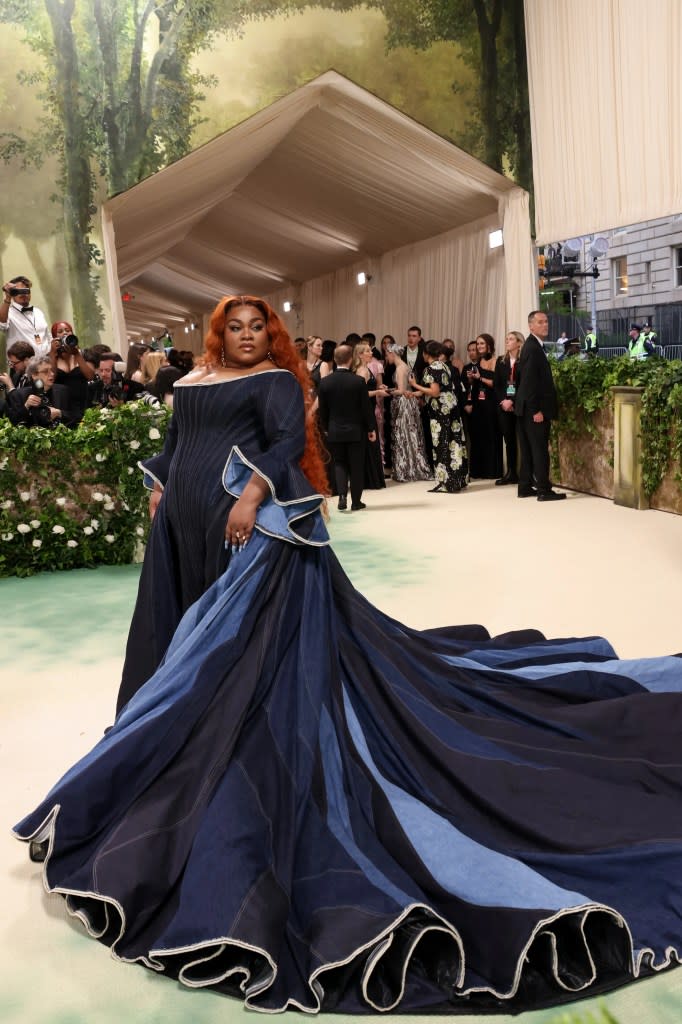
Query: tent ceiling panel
316	182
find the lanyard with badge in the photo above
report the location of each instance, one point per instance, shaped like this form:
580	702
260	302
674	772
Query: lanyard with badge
32	322
511	384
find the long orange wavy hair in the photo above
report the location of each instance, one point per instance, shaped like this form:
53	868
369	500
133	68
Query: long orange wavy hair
283	355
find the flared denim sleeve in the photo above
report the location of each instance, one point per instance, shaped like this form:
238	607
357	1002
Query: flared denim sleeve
155	470
292	511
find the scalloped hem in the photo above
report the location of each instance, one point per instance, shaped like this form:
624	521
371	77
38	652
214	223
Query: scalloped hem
255	984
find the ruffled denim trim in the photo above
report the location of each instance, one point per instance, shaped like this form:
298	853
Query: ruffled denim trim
298	520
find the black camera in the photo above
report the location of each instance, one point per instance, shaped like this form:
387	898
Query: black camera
40	415
69	341
19	291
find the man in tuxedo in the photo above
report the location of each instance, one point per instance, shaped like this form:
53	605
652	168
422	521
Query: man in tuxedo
535	406
346	419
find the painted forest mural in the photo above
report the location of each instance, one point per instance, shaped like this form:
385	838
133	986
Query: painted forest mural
98	94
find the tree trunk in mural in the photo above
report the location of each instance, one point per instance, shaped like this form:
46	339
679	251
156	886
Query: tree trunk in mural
488	30
77	177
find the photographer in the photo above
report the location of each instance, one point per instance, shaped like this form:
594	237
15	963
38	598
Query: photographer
71	369
42	403
20	320
108	387
18	355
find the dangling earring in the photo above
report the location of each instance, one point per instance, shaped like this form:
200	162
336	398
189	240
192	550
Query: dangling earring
270	357
222	356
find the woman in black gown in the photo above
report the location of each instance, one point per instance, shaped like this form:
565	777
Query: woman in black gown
71	369
307	804
374	468
486	441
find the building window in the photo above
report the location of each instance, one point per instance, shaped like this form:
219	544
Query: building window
678	268
647	274
620	275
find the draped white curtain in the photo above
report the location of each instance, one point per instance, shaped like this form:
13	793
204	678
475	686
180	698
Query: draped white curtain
605	81
450	286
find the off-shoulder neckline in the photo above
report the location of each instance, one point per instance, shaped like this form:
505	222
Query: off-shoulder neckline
228	380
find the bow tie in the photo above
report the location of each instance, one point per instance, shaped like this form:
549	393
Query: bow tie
27	309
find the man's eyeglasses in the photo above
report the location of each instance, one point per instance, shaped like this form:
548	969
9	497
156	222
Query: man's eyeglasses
15	362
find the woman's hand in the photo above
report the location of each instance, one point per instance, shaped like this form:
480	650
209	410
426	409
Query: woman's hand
154	499
240	523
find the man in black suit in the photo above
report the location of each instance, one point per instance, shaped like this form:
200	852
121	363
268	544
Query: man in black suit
535	406
346	419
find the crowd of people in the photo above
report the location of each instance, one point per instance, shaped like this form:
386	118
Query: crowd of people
411	412
424	413
51	380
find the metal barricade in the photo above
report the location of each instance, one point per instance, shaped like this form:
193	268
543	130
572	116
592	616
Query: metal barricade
612	353
673	352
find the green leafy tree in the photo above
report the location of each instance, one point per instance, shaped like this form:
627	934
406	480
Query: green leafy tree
491	35
120	99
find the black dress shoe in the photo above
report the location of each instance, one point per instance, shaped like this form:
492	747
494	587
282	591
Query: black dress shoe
358	508
343	504
436	490
527	492
502	481
550	496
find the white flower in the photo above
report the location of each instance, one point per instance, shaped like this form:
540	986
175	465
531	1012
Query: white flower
130	470
94	523
7	536
97	496
72	543
25	495
109	505
37	543
134	445
61	501
139	531
3	464
58	529
6	504
88	530
35	523
154	434
100	457
109	538
24	528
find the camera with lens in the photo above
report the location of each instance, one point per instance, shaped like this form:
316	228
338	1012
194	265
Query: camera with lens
69	341
19	291
40	415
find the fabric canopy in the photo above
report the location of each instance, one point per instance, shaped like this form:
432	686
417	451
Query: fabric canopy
293	202
606	109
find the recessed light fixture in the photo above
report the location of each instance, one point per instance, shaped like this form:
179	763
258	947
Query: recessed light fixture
495	239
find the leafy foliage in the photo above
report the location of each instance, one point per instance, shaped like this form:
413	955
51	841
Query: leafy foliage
74	498
119	97
583	386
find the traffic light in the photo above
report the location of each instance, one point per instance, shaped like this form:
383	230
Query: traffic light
542	272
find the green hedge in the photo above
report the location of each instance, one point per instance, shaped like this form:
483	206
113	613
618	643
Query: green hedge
583	387
74	498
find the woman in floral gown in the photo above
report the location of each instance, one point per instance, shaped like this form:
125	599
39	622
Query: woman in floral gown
447	432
